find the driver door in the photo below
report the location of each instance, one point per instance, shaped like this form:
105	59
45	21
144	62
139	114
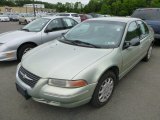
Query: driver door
53	30
131	55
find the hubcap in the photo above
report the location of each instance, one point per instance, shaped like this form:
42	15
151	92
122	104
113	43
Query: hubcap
105	90
149	52
26	50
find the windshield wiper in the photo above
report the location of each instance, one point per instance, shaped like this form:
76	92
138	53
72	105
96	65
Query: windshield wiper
65	40
25	29
78	42
86	43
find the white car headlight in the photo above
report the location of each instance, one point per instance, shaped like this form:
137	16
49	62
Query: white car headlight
67	83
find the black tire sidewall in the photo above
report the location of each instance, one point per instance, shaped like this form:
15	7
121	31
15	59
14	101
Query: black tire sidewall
95	101
22	49
146	59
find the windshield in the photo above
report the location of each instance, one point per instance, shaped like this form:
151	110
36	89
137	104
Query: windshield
37	25
104	34
148	14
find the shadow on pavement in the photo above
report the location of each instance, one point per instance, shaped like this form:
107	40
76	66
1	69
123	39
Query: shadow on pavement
8	63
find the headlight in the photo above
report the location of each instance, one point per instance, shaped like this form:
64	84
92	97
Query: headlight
67	83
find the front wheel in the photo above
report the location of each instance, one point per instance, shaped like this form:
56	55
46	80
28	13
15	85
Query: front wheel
24	49
104	89
149	53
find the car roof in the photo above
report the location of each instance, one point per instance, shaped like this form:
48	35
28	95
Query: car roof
67	13
148	9
118	19
53	17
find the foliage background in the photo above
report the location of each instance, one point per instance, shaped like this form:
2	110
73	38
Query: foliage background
112	7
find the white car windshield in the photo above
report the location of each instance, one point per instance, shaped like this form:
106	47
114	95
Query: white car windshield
97	33
36	25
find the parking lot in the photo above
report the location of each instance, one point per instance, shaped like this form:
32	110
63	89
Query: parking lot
136	97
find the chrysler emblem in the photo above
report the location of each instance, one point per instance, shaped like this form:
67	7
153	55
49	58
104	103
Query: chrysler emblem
25	76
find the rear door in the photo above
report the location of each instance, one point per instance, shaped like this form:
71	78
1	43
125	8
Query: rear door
144	38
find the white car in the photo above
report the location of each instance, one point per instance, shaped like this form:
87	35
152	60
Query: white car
26	18
75	16
4	18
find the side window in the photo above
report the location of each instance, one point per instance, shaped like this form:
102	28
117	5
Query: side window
69	23
143	29
132	32
146	28
55	24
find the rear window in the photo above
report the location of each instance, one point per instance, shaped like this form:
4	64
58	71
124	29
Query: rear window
63	14
147	14
75	15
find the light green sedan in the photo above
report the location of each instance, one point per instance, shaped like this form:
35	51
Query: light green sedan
86	63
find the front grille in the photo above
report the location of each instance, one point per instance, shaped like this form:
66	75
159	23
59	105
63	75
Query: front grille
28	77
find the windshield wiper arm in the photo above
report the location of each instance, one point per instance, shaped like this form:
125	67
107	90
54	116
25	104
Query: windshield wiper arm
67	41
77	42
25	29
86	43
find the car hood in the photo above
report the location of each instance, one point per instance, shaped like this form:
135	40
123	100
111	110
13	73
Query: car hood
15	35
60	60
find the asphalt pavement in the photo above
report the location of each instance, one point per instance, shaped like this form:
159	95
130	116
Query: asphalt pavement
137	96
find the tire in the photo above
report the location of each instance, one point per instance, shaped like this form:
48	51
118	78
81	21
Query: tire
24	49
19	23
102	95
149	53
25	22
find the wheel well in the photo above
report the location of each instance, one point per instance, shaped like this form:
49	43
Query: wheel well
30	43
115	69
153	42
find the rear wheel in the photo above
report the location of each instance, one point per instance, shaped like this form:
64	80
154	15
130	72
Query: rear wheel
104	89
24	49
149	53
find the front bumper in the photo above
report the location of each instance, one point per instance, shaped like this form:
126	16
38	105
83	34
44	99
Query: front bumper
62	97
8	56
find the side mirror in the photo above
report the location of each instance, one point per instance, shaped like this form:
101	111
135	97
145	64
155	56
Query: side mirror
126	45
133	42
52	29
64	33
47	30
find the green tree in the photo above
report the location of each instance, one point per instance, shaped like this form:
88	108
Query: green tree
155	3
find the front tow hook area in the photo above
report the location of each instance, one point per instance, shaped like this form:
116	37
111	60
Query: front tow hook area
23	92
